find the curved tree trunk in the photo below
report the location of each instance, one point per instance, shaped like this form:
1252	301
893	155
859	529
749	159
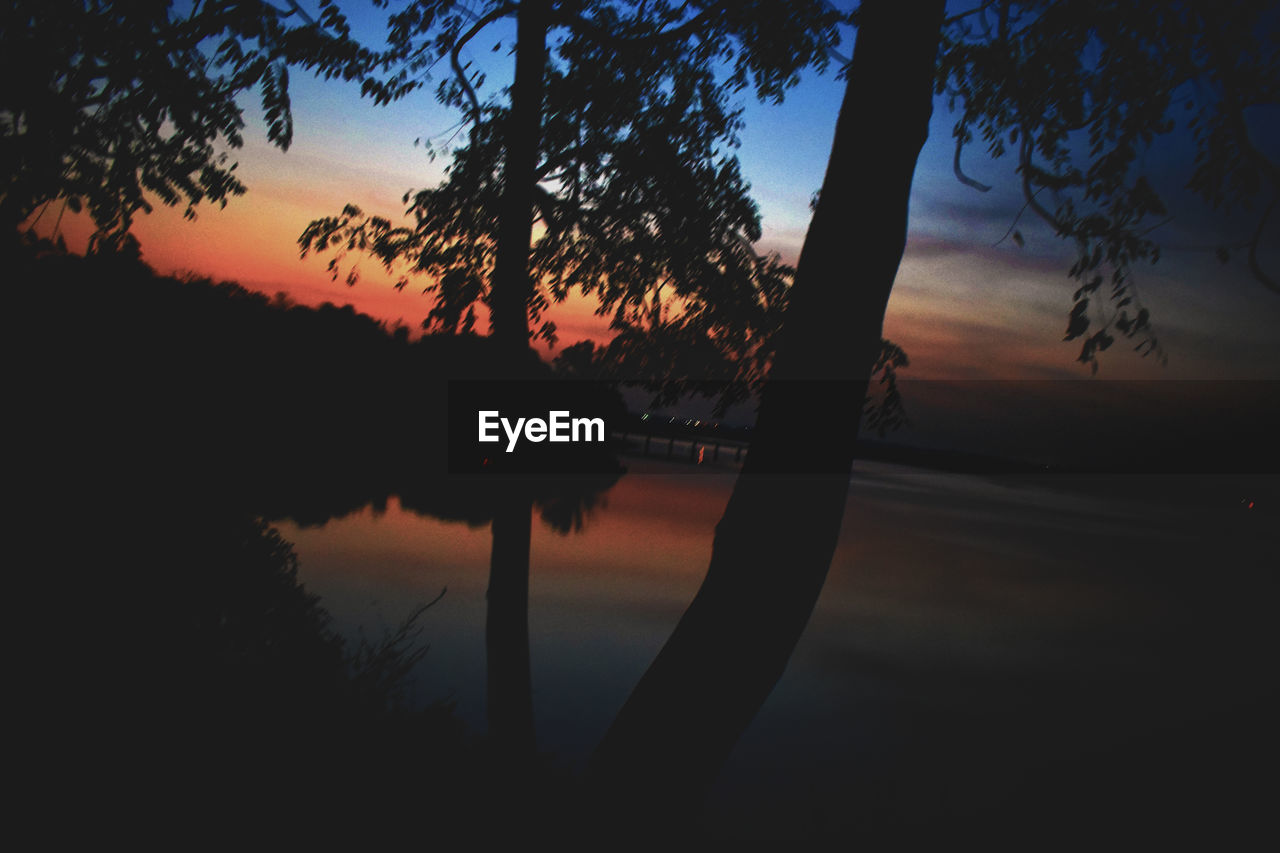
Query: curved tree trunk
774	544
510	700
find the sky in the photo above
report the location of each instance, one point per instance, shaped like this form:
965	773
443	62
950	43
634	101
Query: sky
966	304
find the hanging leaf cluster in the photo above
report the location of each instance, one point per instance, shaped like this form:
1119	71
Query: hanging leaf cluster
1079	92
109	107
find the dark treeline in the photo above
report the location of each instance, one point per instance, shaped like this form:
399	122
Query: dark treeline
183	680
281	409
182	664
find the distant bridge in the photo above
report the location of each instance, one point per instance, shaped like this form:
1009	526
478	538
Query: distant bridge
694	449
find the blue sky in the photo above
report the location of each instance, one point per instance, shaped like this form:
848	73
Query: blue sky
965	305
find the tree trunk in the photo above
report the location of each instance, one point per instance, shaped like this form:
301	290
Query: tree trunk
510	685
510	699
774	544
510	289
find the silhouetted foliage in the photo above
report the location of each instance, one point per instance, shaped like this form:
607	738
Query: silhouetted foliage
279	409
638	194
243	709
774	544
617	142
160	426
170	418
109	107
1080	93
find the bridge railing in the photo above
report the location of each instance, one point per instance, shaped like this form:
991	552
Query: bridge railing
691	449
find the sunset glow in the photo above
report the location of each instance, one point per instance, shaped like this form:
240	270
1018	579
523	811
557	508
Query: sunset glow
916	486
967	303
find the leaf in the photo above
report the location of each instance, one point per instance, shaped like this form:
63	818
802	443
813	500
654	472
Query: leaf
1078	323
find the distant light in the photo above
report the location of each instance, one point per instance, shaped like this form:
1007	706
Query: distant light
645	416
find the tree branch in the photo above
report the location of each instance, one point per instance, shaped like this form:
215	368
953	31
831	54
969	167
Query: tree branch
284	13
604	37
1025	166
563	161
1255	266
960	175
831	51
974	11
460	72
1014	223
547	203
1264	164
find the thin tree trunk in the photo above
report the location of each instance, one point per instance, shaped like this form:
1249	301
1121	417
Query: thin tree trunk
774	544
510	685
511	287
510	699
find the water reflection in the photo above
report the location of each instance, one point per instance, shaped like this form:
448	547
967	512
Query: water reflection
981	644
984	646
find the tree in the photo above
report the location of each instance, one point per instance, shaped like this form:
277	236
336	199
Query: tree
109	107
618	143
1038	73
134	104
1067	83
1078	92
774	543
631	175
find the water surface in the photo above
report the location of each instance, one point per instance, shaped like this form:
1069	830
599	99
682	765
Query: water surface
973	631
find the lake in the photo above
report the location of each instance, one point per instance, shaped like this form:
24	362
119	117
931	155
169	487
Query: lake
977	634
